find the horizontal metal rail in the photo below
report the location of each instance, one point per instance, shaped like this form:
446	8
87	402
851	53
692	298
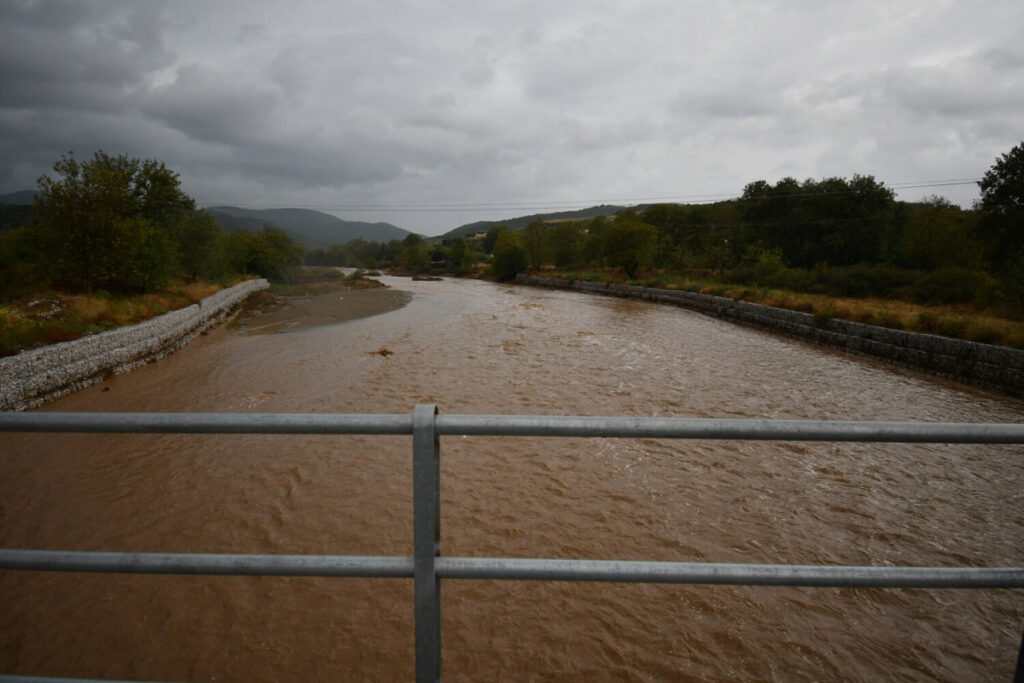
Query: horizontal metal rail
516	569
208	563
728	429
205	423
427	566
518	425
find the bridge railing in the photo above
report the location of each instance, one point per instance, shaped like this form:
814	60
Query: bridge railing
427	566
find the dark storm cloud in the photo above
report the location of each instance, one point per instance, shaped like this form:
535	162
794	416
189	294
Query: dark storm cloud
395	102
71	77
77	55
212	107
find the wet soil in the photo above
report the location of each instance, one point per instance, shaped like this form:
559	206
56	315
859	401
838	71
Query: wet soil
278	313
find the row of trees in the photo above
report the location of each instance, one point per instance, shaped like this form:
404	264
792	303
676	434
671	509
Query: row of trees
801	225
833	221
837	235
412	254
120	224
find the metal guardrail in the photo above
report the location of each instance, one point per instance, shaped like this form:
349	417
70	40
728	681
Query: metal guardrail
427	566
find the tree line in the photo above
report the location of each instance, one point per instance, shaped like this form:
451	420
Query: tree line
118	224
837	236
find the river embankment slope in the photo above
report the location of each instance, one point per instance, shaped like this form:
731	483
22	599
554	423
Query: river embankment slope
984	365
34	377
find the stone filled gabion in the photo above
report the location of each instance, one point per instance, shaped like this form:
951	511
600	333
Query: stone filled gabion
985	365
31	378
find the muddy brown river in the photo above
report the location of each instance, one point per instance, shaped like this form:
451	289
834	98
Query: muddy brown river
475	347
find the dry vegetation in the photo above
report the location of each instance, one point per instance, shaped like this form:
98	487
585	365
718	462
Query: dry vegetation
52	316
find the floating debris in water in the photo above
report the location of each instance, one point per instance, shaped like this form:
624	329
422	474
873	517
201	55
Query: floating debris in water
382	351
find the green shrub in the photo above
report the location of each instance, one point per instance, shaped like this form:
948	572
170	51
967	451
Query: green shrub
863	280
952	286
824	314
509	257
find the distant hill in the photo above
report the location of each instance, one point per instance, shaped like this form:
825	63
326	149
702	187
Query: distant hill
21	197
523	221
308	228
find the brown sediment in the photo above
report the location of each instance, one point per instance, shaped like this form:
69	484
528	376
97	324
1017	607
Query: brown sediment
984	365
483	348
291	313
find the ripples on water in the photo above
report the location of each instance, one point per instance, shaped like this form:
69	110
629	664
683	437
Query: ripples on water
474	347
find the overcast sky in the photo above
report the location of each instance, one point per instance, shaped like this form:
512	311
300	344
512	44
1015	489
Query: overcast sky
430	115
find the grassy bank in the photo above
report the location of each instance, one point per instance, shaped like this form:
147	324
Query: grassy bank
957	321
52	316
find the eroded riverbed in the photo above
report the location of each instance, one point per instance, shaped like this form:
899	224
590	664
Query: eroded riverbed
475	347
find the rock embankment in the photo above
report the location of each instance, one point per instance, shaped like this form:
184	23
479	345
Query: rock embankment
34	377
985	365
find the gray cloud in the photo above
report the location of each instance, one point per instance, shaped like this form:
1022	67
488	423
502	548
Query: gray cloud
401	104
212	107
77	55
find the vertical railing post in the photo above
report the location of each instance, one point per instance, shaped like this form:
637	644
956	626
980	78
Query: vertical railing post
1018	675
426	494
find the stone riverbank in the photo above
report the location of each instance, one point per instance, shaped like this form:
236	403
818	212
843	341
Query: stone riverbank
31	378
984	365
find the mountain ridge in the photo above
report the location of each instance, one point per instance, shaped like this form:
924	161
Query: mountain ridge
18	198
521	222
308	227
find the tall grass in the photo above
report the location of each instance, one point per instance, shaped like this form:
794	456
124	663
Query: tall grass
50	317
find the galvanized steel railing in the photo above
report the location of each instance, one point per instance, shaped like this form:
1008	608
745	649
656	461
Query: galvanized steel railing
427	566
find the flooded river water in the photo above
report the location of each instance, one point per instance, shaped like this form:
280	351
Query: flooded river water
475	347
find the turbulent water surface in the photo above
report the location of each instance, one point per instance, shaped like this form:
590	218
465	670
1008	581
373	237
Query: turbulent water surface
474	347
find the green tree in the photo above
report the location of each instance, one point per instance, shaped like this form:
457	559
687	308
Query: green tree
414	256
197	235
566	243
508	258
270	253
460	255
1002	213
629	244
938	234
106	223
670	220
534	243
389	253
150	260
20	262
593	242
491	238
834	220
